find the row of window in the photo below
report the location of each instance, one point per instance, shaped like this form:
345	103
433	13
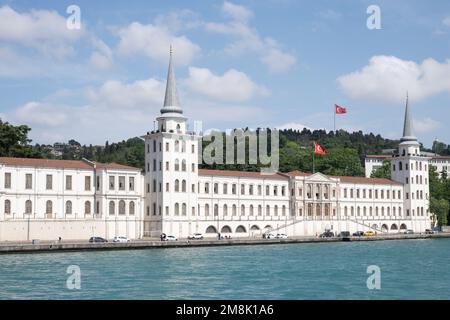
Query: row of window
232	210
69	184
177	166
414	166
376	194
245	189
68	207
179	147
419	180
48	181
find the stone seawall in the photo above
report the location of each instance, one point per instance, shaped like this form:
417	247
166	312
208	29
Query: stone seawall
6	247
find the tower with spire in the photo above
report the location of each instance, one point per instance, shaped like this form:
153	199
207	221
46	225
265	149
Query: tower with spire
171	169
410	168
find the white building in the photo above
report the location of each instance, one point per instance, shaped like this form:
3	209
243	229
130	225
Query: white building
47	199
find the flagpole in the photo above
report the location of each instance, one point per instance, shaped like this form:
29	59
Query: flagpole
314	163
334	112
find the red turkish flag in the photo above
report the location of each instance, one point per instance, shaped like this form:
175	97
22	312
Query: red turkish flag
318	149
340	110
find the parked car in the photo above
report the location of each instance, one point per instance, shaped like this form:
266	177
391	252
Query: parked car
196	236
282	236
97	239
121	239
269	236
358	234
171	238
409	231
344	234
369	233
327	234
429	231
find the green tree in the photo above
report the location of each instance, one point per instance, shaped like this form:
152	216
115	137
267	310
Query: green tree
440	207
14	141
383	172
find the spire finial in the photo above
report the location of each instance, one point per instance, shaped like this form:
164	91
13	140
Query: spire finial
171	103
408	134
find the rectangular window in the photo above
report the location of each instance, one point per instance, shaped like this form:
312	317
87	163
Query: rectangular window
131	183
225	188
87	183
68	182
122	183
28	181
167	187
49	182
233	189
98	182
167	146
193	148
111	182
7	180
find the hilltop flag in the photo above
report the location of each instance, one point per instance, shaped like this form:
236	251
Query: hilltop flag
340	110
319	149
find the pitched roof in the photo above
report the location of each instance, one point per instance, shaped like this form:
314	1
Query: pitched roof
381	156
244	174
52	163
347	179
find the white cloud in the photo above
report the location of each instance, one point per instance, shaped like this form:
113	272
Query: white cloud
425	125
248	39
40	114
388	78
446	21
154	41
237	12
233	85
43	30
102	58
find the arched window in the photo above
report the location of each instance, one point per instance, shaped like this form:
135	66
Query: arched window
400	165
206	209
183	209
267	210
121	207
234	210
225	229
345	211
251	210
49	207
327	209
259	210
28	207
131	209
216	210
177	165
211	229
183	165
240	229
177	185
352	211
225	210
242	210
7	206
177	209
69	207
112	208
275	210
310	209
183	146
183	186
177	146
87	207
254	228
365	211
283	210
358	211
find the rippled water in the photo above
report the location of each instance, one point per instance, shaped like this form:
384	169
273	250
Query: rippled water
411	269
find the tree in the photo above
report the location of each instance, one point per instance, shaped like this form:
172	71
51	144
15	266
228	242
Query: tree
383	172
14	141
440	208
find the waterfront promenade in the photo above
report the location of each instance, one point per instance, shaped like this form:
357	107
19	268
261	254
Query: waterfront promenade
46	246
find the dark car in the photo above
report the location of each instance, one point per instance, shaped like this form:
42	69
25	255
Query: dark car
429	231
344	234
97	239
358	234
327	234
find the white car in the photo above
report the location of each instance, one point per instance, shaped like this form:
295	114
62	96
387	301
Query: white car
196	236
121	239
282	236
271	236
171	238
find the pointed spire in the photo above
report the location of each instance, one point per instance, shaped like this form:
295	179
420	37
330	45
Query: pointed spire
408	134
171	102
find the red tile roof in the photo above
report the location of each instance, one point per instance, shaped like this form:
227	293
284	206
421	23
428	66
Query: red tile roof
51	163
236	173
380	156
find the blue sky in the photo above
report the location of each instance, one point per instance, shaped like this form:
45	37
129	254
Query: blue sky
277	63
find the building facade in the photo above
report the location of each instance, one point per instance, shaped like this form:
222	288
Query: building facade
48	199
